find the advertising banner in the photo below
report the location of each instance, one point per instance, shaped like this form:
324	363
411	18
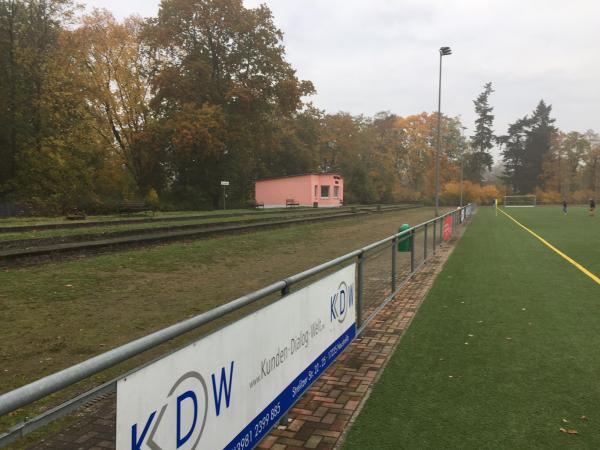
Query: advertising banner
447	231
227	390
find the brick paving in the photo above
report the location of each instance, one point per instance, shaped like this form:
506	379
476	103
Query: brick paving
94	429
323	414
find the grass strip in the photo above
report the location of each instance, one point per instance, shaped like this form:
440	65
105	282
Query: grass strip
65	312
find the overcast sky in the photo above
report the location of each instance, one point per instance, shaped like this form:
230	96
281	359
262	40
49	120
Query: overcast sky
382	55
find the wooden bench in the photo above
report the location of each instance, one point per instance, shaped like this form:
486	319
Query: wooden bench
133	207
290	203
259	205
75	214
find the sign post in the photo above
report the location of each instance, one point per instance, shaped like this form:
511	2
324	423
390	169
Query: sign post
224	184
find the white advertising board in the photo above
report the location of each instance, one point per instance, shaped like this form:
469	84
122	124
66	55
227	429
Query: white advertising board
227	390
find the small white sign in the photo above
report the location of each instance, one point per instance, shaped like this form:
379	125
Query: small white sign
224	183
227	390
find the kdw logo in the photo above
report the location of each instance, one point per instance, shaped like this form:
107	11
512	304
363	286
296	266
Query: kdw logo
187	403
341	302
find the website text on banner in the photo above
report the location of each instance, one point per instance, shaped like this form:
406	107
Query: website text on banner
230	388
447	231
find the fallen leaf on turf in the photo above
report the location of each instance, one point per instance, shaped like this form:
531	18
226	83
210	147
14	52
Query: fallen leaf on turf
584	418
565	421
509	339
568	431
471	335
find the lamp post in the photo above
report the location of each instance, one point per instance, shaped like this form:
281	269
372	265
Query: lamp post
462	158
444	51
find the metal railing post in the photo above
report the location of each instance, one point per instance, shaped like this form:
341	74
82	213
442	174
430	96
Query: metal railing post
284	419
412	250
434	233
360	290
425	242
453	223
394	243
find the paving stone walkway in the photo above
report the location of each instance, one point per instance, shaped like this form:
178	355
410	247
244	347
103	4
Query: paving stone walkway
323	414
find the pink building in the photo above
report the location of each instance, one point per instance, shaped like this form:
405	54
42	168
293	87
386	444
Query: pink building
320	189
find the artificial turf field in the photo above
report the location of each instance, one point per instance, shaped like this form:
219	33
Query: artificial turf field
505	350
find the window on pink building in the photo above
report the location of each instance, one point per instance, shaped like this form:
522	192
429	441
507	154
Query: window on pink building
324	191
336	191
316	191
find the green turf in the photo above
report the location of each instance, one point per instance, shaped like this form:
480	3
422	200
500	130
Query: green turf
505	347
576	233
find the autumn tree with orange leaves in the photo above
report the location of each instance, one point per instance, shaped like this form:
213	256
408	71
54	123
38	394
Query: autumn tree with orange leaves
95	110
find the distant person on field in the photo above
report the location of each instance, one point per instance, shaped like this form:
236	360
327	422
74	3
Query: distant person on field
565	206
592	206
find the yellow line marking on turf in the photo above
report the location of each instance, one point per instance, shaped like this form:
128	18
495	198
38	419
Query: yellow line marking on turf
553	248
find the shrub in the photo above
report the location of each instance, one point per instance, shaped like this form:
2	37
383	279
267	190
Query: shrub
152	199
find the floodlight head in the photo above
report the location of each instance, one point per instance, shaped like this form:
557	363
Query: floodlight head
445	51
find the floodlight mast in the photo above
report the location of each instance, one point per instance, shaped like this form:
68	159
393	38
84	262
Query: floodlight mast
444	51
462	159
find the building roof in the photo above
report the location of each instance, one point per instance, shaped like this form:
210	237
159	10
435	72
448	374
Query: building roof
299	175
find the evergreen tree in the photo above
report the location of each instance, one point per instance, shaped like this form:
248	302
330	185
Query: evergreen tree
528	142
513	153
538	145
480	159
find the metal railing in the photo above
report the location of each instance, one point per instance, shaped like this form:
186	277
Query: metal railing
379	278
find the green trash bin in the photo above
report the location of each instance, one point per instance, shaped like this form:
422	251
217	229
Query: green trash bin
404	242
